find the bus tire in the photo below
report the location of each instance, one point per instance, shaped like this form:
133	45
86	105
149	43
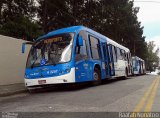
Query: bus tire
96	77
140	72
126	72
132	73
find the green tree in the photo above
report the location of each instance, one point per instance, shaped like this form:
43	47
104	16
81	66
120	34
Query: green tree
17	19
152	56
22	28
121	24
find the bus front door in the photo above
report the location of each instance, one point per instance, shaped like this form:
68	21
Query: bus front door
105	60
111	61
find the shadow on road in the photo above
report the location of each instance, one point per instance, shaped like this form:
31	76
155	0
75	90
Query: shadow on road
73	87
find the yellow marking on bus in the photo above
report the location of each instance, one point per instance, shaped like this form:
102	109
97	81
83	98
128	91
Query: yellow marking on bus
52	40
141	103
151	98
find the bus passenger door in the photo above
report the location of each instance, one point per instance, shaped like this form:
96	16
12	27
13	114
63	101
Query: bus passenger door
106	59
111	61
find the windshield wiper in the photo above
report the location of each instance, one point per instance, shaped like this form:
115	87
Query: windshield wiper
35	60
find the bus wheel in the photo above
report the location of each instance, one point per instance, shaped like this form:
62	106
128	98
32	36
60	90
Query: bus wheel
126	72
132	72
97	77
140	72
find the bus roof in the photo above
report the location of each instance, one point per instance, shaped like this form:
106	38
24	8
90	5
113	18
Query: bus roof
60	31
77	29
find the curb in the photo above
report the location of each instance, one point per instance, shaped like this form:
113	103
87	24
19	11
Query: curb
12	93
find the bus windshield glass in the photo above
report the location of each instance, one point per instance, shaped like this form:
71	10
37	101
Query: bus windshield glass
51	51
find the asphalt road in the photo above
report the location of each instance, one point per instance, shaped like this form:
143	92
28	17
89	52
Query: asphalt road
135	94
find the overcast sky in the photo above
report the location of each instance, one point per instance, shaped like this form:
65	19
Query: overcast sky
149	15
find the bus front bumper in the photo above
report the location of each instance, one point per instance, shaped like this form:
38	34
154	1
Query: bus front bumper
67	78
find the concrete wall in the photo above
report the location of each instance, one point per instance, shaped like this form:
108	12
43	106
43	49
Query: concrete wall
12	61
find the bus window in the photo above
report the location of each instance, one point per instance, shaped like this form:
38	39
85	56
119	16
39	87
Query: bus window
108	52
125	55
53	50
94	46
114	54
104	51
119	54
134	62
81	51
122	54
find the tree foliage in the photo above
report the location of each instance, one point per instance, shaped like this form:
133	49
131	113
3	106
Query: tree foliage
16	19
152	58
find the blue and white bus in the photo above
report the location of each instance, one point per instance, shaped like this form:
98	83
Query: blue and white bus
75	54
138	66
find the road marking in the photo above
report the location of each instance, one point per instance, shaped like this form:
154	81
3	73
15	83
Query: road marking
151	98
140	105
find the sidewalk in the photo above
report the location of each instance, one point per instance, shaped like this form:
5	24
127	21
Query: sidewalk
6	90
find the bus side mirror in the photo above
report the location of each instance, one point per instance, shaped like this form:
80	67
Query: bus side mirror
23	47
80	41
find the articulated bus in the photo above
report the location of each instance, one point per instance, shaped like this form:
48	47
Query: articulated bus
75	54
138	66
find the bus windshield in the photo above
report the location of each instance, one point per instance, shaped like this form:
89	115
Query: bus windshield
51	51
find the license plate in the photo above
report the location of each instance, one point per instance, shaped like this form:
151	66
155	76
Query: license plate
41	81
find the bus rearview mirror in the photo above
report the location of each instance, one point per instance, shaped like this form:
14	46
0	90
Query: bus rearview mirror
23	47
80	41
